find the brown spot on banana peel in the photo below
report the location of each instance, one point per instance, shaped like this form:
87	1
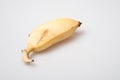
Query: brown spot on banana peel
43	35
29	34
45	32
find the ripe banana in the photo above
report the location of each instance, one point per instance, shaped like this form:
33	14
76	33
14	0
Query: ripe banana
48	34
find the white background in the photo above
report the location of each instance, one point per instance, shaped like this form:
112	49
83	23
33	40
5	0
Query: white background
92	53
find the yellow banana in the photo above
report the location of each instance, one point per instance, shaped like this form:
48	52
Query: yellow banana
48	34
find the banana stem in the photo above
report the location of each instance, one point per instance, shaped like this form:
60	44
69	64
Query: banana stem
25	56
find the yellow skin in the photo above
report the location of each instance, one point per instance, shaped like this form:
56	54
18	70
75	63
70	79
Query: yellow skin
48	34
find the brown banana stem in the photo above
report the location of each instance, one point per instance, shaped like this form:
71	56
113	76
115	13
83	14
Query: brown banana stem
25	56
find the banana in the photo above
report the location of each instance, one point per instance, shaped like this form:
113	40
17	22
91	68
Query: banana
48	34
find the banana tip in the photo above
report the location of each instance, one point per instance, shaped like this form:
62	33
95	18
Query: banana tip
32	60
79	23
